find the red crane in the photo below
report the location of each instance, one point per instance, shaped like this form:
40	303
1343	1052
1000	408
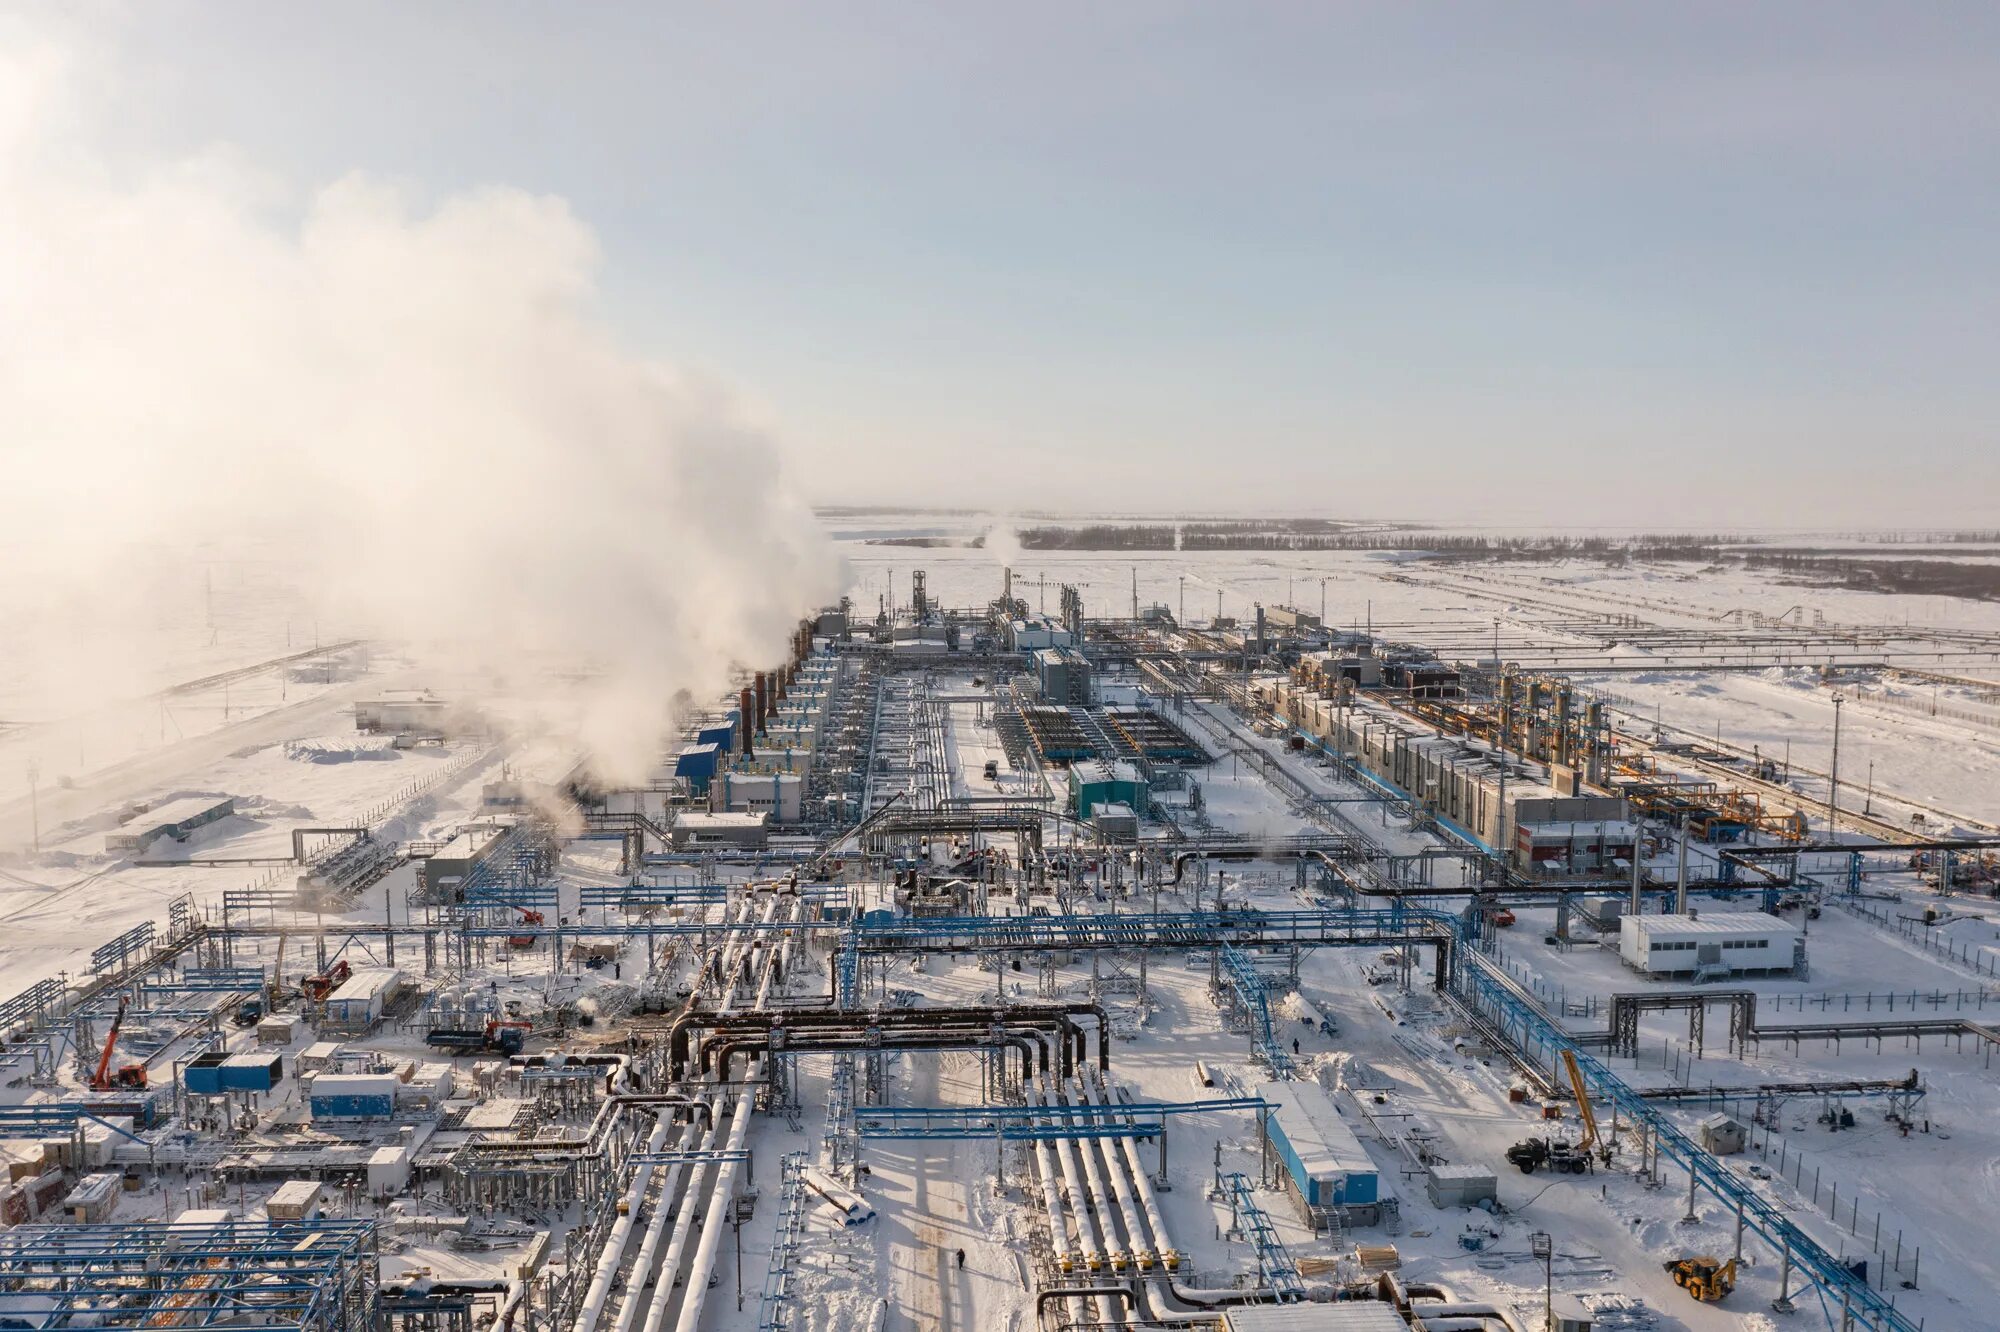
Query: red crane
528	917
131	1075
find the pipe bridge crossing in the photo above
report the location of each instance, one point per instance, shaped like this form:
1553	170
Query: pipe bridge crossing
1849	1301
1397	925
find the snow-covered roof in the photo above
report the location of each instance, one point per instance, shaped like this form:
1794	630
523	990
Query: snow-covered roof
1734	923
1321	1139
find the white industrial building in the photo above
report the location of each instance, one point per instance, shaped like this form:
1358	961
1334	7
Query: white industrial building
778	794
360	1001
1730	943
1038	632
743	829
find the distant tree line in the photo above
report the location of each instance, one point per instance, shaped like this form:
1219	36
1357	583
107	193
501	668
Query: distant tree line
1940	578
1099	536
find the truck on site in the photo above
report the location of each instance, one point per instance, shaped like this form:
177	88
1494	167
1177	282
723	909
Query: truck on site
497	1037
1531	1154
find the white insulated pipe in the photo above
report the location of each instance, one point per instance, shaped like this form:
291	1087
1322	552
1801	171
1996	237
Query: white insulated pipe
720	1194
615	1244
613	1256
1114	1254
1045	1166
1086	1229
678	1188
1088	1239
663	1293
1068	1253
649	1247
1142	1251
719	1202
1168	1256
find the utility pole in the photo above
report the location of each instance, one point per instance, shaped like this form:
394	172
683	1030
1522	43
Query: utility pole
736	1224
1322	603
1833	777
1681	874
1543	1246
1183	621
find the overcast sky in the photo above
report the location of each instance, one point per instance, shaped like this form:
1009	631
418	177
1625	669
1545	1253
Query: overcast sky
1585	264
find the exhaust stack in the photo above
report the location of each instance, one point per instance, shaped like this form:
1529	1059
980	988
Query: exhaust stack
747	721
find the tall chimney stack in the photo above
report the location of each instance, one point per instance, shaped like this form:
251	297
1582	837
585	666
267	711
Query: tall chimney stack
747	722
763	701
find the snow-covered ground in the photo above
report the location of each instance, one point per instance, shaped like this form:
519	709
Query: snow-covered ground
282	743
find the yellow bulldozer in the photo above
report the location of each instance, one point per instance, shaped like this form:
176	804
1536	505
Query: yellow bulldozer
1706	1278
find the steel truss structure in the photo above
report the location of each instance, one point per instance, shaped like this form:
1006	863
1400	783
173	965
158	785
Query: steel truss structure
1529	1028
311	1276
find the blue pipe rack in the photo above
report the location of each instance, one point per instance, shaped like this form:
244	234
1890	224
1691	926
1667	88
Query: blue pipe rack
312	1276
115	955
1277	1270
1537	1037
1251	990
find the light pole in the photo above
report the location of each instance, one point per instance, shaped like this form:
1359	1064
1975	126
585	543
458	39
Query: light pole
1542	1245
1183	601
1833	777
1322	603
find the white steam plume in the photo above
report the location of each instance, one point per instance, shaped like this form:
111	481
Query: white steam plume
422	404
1003	543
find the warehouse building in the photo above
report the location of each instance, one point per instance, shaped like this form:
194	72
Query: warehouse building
1037	632
362	1000
340	1096
1711	947
1324	1164
417	712
177	819
1554	850
1290	617
698	764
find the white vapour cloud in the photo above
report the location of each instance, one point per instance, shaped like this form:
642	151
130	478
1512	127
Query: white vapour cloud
1003	542
422	403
